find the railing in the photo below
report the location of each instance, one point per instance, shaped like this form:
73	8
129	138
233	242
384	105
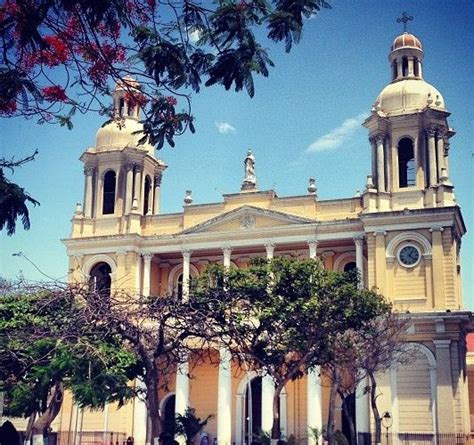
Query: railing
417	439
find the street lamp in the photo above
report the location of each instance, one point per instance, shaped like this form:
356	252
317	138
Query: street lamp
387	422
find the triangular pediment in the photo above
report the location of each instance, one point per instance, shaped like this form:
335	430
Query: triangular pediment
247	218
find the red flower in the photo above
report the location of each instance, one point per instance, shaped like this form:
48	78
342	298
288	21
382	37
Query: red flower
56	53
171	100
8	108
136	98
54	93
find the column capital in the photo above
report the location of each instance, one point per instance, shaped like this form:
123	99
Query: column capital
380	232
157	179
442	344
138	168
129	166
328	254
270	249
147	256
431	132
358	239
89	171
436	229
226	250
313	242
186	253
380	138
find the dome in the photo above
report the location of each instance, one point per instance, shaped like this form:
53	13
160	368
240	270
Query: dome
406	40
118	135
409	96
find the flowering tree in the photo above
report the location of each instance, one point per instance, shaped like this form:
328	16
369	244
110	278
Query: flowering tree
58	57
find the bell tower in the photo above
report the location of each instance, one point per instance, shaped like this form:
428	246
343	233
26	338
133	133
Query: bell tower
122	174
409	136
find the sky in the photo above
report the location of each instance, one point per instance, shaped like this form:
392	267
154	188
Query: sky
304	121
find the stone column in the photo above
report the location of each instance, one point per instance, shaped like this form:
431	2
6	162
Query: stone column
99	194
156	194
186	266
88	192
137	185
182	388
380	164
268	391
444	393
313	246
227	251
432	156
411	68
440	153
224	399
380	263
314	403
139	416
446	156
438	267
129	189
147	274
270	249
359	243
362	408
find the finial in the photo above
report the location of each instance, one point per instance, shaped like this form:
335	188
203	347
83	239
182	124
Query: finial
404	19
78	210
188	198
312	189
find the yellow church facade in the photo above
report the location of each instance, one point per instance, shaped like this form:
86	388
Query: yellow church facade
402	233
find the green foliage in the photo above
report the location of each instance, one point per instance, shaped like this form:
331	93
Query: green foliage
45	339
189	425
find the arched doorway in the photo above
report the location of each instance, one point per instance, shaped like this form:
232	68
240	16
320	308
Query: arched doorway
168	414
253	410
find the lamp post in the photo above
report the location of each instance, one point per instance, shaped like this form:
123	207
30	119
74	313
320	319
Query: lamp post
387	422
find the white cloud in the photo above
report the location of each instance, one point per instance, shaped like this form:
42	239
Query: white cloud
335	138
224	127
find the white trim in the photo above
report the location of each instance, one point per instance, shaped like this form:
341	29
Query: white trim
101	258
408	236
403	246
164	400
343	259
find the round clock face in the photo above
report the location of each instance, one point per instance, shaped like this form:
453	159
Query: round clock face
409	255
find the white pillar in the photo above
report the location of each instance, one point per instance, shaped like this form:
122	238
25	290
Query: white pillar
88	194
129	189
140	416
224	399
268	391
313	246
314	405
380	164
432	156
146	274
186	265
182	388
362	408
440	152
359	243
156	194
137	185
270	248
374	158
227	252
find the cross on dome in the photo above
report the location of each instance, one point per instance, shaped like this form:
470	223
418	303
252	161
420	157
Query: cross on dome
405	18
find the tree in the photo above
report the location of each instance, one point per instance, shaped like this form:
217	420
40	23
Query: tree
13	198
280	317
47	346
161	331
57	57
364	353
189	425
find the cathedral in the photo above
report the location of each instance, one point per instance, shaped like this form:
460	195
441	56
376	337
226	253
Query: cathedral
403	234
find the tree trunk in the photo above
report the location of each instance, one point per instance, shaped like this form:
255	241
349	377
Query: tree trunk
44	421
332	406
350	420
29	428
375	410
154	427
276	415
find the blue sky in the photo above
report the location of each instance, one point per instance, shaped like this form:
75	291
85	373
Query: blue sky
304	121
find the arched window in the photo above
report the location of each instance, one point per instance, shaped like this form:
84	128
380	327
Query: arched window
121	106
146	198
416	68
168	413
108	206
405	66
100	279
394	70
406	163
